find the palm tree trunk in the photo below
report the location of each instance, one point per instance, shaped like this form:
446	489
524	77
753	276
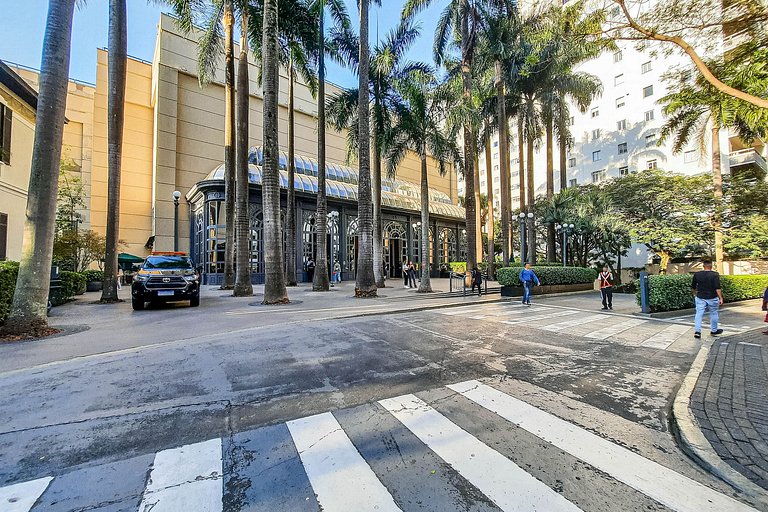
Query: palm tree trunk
717	186
274	285
478	203
469	154
550	187
563	149
365	283
290	221
489	184
229	147
118	61
30	299
531	222
378	245
506	177
321	282
425	286
521	166
243	286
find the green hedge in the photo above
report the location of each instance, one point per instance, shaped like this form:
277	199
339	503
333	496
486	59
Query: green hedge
72	283
9	271
673	291
458	266
510	276
93	275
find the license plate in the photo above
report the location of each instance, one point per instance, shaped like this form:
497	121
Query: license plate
164	293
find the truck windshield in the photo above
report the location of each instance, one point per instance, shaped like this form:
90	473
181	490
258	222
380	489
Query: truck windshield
168	262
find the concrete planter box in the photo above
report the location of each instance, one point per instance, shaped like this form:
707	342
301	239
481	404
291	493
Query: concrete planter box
93	286
517	291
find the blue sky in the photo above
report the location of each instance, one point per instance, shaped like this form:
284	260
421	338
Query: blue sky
24	27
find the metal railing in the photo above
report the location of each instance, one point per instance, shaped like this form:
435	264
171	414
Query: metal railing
458	283
747	156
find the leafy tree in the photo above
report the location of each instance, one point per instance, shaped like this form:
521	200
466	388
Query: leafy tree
77	249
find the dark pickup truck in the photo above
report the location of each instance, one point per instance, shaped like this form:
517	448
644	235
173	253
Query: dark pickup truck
165	277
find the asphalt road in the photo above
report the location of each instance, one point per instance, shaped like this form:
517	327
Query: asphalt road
106	404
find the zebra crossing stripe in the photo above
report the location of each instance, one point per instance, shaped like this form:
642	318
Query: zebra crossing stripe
612	330
669	488
461	311
186	478
543	316
506	312
510	487
22	496
572	323
340	477
666	337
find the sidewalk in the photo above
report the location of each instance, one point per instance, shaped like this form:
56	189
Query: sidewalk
729	404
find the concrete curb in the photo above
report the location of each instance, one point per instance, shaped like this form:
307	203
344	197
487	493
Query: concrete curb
692	440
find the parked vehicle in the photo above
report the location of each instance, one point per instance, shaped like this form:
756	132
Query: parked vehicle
165	277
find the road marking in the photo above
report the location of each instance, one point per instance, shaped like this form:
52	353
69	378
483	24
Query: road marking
543	316
21	497
749	344
666	337
339	475
461	311
612	330
186	478
669	488
504	482
572	323
496	314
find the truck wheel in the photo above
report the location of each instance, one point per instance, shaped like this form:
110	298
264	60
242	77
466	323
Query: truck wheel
194	301
137	304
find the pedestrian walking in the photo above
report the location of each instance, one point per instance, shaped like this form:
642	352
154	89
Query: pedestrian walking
309	266
412	274
528	277
477	280
606	287
337	271
765	307
707	296
405	273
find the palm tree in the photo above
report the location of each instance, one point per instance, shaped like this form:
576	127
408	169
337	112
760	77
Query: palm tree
274	285
700	106
365	283
188	13
30	299
118	61
419	127
459	22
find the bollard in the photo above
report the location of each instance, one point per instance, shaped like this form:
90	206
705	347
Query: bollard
644	292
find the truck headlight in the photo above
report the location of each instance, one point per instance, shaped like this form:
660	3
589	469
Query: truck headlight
192	278
140	277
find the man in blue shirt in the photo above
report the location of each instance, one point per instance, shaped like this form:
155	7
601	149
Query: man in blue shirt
528	278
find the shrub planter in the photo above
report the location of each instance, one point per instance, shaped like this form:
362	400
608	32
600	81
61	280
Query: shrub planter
93	286
517	291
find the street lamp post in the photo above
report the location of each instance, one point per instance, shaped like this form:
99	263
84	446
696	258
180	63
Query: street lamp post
176	197
522	236
566	229
333	217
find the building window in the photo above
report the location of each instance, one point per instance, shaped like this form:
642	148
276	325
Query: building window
3	235
648	91
646	67
571	121
598	176
624	171
496	167
691	156
649	115
596	156
622	148
6	122
596	134
572	162
617	56
652	164
650	140
572	183
496	156
620	102
495	179
595	112
618	79
482	183
621	125
515	161
495	143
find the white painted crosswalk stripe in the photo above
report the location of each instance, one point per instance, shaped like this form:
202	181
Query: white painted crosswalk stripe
506	312
460	311
652	479
340	477
185	479
22	496
573	323
500	479
666	337
543	316
613	330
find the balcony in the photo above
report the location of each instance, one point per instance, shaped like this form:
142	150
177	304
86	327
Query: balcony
745	159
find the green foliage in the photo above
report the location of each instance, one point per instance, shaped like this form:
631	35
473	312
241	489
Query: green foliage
76	250
72	283
673	291
94	275
510	276
9	270
458	266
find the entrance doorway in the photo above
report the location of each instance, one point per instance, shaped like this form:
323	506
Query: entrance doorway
395	247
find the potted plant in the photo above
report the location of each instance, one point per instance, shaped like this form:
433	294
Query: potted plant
94	280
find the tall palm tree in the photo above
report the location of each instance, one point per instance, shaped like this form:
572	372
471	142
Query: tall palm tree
419	127
365	283
118	62
213	16
459	23
321	281
274	285
30	299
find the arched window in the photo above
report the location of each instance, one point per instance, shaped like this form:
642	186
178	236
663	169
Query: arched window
417	244
352	230
447	245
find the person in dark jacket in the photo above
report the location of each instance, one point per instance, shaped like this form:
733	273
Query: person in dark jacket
708	296
477	280
606	287
528	277
310	268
